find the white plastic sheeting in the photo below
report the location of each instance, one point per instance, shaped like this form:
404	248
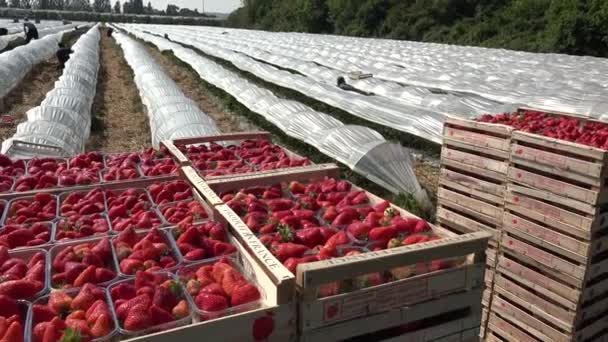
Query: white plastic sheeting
15	64
61	124
361	148
171	114
550	81
48	28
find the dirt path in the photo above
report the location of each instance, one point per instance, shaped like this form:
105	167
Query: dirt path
119	122
192	87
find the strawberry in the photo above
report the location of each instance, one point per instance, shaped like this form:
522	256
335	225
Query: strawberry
414	239
164	298
103	275
43	313
138	318
310	237
22	288
382	233
160	315
8	306
14	333
215	289
392	243
131	266
263	327
123	309
181	310
211	302
231	280
359	230
87	276
288	250
52	333
98	308
297	187
83	300
244	294
77	325
421	227
123	291
102	249
102	326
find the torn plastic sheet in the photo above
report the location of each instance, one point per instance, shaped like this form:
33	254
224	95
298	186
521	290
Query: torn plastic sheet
348	144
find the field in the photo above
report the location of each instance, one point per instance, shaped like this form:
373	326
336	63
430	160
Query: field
251	189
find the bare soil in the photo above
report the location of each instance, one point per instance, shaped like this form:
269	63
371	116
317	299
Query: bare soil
190	84
119	122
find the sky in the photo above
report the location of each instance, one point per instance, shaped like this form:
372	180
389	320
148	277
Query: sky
221	6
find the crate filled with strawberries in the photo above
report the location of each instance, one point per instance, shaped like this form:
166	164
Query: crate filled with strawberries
233	153
348	249
14	316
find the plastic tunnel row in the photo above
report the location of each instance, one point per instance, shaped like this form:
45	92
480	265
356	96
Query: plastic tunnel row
416	121
46	29
555	82
361	148
15	64
61	124
172	115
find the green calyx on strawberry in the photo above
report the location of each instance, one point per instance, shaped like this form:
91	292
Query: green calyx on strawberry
71	335
285	232
392	243
390	212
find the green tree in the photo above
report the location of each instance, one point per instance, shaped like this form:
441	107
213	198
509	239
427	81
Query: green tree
172	9
14	3
117	7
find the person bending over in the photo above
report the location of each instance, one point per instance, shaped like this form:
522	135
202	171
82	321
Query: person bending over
31	32
63	55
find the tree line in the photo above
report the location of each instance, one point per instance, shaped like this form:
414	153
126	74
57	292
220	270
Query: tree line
102	6
563	26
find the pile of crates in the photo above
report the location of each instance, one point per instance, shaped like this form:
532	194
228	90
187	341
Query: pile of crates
550	279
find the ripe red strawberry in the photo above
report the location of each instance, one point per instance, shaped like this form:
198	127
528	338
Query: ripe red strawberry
83	300
165	298
98	308
123	291
102	249
130	266
214	288
14	333
87	276
8	306
310	237
414	239
60	301
123	309
138	318
382	233
160	315
211	302
288	250
102	326
244	294
181	310
43	313
359	230
263	328
22	288
103	275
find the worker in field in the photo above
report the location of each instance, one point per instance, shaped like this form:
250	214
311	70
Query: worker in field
30	30
3	31
345	86
63	55
110	31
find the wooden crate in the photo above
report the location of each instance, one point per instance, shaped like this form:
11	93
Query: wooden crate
533	295
240	327
378	307
182	159
473	178
571	170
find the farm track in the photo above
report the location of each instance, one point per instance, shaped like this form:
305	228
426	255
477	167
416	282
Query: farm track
190	84
32	89
119	122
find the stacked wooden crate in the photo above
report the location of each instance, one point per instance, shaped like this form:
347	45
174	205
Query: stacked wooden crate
472	186
552	274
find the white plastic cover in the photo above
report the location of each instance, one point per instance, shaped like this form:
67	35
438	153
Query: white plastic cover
171	114
361	148
62	122
45	28
416	84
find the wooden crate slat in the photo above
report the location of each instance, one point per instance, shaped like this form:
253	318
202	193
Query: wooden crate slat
561	266
546	196
496	129
457	165
591	196
473	186
477	139
561	145
507	331
552	239
474	160
474	205
555	162
559	292
527	321
454	221
555	314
